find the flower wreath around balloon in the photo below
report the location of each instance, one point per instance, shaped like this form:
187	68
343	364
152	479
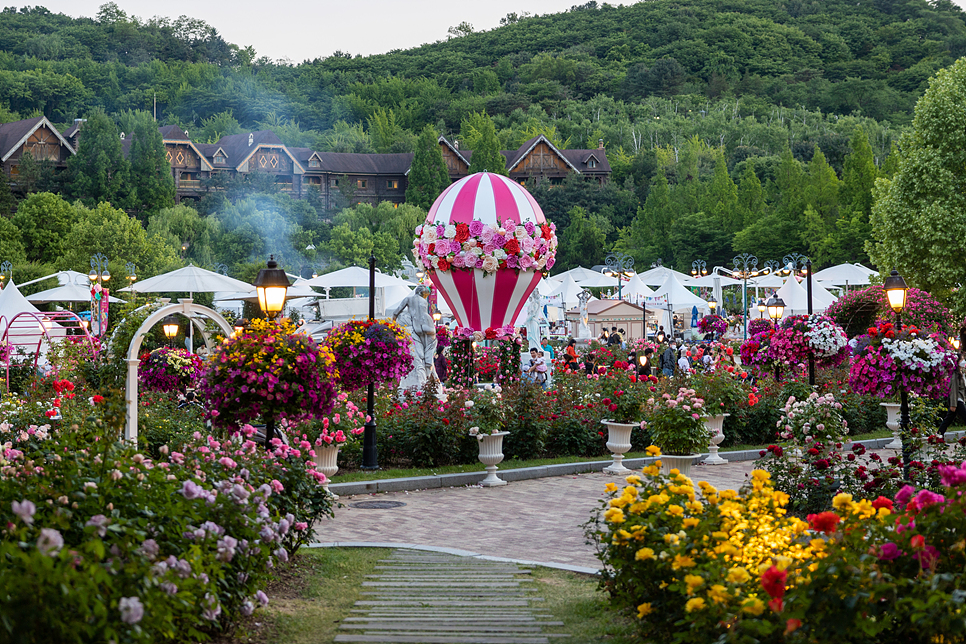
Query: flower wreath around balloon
369	352
445	247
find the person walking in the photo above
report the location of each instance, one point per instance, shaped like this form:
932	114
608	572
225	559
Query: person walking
957	388
669	359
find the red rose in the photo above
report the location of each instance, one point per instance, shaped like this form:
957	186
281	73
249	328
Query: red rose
462	232
432	248
512	247
881	502
545	232
918	542
823	522
773	581
98	399
443	265
613	407
490	333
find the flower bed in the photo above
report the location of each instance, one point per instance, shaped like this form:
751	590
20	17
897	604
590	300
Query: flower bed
733	566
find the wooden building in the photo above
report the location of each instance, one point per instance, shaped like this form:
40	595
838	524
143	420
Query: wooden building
605	314
335	178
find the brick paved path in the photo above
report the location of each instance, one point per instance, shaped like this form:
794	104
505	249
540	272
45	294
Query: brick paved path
538	520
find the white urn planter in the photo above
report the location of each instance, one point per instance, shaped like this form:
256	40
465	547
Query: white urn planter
491	455
618	442
892	422
681	463
715	425
326	461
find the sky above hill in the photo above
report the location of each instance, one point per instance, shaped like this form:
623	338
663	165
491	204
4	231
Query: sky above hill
306	30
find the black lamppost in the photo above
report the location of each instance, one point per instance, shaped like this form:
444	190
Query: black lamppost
619	263
799	262
370	452
776	307
98	275
271	286
746	265
895	289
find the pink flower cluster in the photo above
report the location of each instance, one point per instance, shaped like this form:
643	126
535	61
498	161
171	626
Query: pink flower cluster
473	245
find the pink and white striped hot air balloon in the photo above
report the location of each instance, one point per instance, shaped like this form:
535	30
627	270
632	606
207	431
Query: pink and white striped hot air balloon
485	244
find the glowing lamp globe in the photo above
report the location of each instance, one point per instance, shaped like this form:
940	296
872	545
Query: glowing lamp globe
485	245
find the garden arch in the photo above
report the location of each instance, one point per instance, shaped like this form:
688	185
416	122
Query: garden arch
37	332
186	307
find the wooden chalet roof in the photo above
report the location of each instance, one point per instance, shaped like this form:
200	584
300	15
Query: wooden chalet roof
16	133
580	159
238	147
173	133
577	160
350	163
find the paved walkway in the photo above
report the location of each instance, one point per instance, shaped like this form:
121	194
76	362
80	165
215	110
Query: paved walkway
538	520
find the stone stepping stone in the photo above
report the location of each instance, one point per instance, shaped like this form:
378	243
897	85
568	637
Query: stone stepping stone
427	598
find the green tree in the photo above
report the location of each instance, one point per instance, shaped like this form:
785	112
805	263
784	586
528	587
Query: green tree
486	152
721	199
751	196
582	243
108	230
45	220
151	183
99	171
182	225
383	129
385	221
11	243
428	176
217	126
8	202
919	216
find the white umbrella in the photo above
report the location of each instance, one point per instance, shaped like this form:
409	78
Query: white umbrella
299	288
710	281
672	296
66	293
772	280
190	279
845	275
579	273
356	277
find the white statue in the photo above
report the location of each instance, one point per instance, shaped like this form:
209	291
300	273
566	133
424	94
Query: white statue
533	321
413	315
583	330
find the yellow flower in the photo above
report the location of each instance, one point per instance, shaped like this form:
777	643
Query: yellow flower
682	561
691	522
644	610
675	510
633	479
695	506
760	475
864	509
719	594
707	488
693	582
695	603
638	508
614	515
780	498
842	501
653	450
674	472
644	554
883	513
719	535
738	575
652	470
817	544
753	606
728	495
619	502
658	499
610	487
630	491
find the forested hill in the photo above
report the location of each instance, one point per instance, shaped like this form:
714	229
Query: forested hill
840	56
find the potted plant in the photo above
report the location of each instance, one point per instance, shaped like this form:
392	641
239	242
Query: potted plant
166	369
483	413
622	399
887	360
721	391
323	437
676	425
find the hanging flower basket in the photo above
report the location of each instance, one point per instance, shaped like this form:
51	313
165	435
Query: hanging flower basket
166	369
369	352
886	361
713	323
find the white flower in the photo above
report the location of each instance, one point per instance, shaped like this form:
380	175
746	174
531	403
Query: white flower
24	510
449	232
490	264
469	403
132	610
474	431
50	542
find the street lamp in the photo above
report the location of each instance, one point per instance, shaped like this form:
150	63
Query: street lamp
6	270
99	277
895	289
776	307
619	263
99	272
271	285
170	327
761	308
699	266
370	450
746	265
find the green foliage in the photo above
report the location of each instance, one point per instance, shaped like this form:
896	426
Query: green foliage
486	147
428	176
385	229
152	186
44	220
99	172
582	242
11	242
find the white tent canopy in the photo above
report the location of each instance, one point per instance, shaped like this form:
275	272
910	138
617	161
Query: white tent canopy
845	275
597	280
12	302
709	281
635	290
673	297
565	294
579	273
796	298
355	277
659	274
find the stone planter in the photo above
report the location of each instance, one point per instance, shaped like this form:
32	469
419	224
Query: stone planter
326	461
892	422
618	442
682	463
491	454
715	425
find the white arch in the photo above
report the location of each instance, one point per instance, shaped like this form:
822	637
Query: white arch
184	306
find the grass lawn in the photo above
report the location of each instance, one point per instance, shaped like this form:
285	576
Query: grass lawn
352	476
312	595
